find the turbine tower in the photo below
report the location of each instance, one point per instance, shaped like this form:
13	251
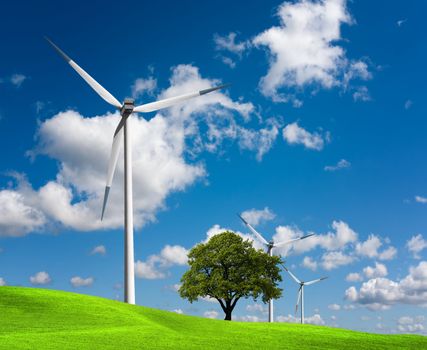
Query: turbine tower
123	131
270	245
300	297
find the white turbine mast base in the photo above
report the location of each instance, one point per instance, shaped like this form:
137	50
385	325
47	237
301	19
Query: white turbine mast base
129	249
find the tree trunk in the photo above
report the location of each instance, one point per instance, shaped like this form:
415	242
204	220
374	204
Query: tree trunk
228	315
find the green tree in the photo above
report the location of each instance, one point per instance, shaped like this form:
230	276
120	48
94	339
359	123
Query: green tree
228	268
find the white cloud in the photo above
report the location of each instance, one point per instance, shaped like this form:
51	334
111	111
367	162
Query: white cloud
259	141
416	245
17	215
228	43
217	229
304	49
2	282
211	314
316	319
342	164
421	199
342	236
40	278
100	249
257	308
143	86
309	263
333	260
354	277
256	216
380	270
78	281
250	318
18	79
178	311
296	135
161	146
381	293
361	94
388	254
334	307
409	324
155	267
370	247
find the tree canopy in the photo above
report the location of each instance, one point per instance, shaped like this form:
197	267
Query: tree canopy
228	268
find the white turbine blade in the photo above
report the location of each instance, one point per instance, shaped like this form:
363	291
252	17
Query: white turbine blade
92	82
114	155
292	275
258	235
315	281
292	240
155	106
298	300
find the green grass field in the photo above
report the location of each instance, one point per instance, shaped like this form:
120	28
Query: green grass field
45	319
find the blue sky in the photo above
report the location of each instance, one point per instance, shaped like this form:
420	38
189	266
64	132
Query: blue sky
323	130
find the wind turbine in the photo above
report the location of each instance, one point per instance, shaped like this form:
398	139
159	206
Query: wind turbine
123	131
301	291
270	245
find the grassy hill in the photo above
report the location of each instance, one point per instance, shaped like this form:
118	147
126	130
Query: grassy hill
46	319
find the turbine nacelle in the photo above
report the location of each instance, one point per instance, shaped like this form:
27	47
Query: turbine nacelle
128	106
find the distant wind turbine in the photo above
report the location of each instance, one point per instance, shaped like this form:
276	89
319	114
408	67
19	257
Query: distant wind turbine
270	245
301	291
123	131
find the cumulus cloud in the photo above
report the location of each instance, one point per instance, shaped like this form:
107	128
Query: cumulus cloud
388	254
155	267
416	245
361	94
315	319
334	307
78	281
143	86
2	282
421	199
293	134
380	270
354	277
161	145
333	260
369	248
409	324
255	216
250	318
309	263
342	164
17	215
381	293
341	236
40	278
257	308
100	249
178	311
304	49
211	314
260	141
229	43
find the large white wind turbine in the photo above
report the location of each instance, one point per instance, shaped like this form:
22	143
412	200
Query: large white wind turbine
300	297
270	245
123	131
